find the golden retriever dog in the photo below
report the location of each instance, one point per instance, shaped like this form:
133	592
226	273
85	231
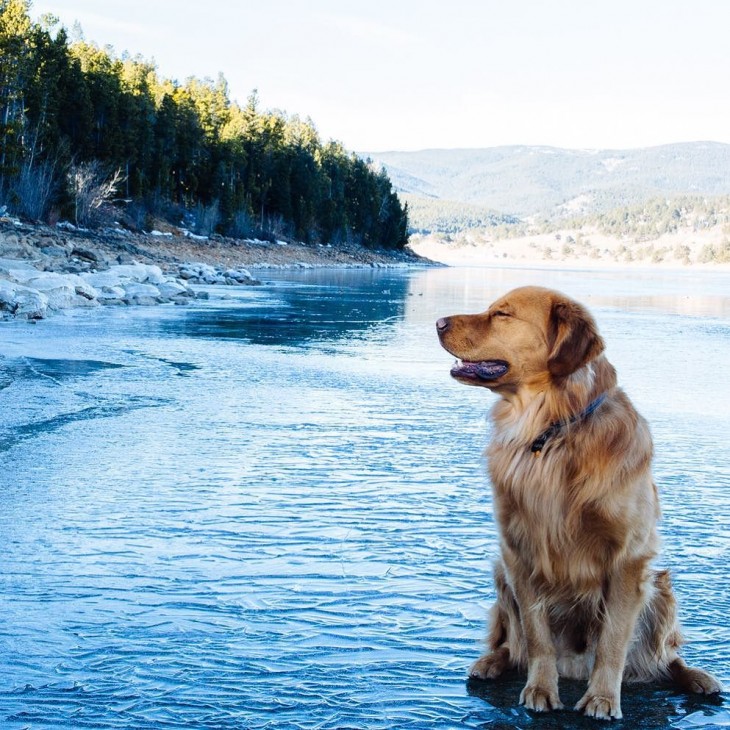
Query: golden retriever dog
570	465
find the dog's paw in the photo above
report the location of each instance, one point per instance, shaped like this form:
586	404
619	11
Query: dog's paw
691	679
490	666
601	706
700	682
540	699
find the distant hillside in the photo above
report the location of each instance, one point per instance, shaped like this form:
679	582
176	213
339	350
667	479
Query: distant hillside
680	231
557	183
433	215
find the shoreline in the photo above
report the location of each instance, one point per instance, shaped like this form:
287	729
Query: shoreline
588	250
587	265
46	269
65	247
169	248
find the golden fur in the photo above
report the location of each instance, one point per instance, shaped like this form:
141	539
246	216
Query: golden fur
576	595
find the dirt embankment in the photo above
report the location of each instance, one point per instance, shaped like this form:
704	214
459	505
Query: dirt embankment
67	249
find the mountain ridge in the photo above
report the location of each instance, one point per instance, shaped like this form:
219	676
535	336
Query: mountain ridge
553	182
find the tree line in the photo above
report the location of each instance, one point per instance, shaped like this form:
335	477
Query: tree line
81	127
438	215
644	221
658	216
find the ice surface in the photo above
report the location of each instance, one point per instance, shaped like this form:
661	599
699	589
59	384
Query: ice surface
297	533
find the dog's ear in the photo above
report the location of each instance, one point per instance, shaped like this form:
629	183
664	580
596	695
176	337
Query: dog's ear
572	337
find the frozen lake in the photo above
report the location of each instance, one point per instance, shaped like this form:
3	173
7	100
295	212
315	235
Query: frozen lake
270	511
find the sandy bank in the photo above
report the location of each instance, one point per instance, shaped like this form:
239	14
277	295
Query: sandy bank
580	249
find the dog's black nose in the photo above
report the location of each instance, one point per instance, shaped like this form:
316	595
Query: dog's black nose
443	324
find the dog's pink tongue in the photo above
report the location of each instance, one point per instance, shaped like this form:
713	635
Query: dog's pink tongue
484	370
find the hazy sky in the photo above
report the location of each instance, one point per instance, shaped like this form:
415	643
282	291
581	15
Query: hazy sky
412	74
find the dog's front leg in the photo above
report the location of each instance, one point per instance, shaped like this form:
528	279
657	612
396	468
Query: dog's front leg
541	691
625	598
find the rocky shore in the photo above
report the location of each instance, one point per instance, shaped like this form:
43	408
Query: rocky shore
44	269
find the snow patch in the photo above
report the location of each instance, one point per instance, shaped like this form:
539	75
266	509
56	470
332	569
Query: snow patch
579	204
611	163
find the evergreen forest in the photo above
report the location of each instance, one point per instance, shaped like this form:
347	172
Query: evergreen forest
92	136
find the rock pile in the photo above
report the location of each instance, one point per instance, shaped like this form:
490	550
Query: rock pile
199	273
29	293
44	270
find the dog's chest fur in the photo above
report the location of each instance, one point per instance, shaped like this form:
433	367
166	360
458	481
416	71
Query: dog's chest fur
549	533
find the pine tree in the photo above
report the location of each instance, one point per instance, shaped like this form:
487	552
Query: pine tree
15	64
74	106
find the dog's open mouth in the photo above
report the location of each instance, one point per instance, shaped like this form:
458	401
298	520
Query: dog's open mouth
484	370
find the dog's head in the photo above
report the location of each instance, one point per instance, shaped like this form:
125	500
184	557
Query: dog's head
530	336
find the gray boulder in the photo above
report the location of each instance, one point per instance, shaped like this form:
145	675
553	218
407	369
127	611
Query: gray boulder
172	289
120	273
200	273
110	295
21	301
136	291
64	291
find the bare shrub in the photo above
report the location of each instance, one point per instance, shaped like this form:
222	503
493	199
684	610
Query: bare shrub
242	225
136	216
275	227
93	188
711	254
723	254
269	228
206	218
157	207
708	254
682	253
35	189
